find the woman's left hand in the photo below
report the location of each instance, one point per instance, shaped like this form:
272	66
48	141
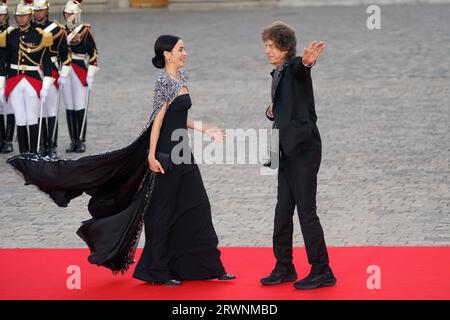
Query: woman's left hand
215	134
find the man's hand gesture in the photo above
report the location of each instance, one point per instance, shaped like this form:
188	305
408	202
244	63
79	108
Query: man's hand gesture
312	52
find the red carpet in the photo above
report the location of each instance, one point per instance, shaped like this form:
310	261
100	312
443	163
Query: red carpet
406	273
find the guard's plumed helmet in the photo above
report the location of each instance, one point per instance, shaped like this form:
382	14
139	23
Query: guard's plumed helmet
3	7
73	6
23	8
40	4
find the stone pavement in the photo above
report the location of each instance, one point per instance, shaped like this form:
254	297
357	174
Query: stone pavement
382	99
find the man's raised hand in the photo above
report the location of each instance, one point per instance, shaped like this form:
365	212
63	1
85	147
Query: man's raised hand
312	52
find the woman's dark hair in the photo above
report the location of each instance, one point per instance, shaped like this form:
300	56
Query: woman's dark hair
283	36
163	43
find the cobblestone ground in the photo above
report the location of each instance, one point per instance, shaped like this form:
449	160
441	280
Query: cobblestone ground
382	100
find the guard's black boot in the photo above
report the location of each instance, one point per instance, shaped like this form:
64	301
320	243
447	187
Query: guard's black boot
44	138
55	140
9	134
277	277
22	138
72	126
34	132
81	117
52	132
2	131
80	146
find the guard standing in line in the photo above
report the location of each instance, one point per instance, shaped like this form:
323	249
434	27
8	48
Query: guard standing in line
81	77
28	74
61	64
6	132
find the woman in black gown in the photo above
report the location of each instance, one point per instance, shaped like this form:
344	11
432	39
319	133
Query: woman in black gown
169	198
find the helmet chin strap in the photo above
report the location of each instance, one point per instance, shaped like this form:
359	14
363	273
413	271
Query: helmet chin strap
42	21
25	27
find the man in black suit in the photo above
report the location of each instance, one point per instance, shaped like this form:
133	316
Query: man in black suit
294	115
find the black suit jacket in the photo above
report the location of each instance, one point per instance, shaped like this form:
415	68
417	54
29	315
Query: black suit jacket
294	110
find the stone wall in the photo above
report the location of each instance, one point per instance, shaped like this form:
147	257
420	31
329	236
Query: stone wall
103	5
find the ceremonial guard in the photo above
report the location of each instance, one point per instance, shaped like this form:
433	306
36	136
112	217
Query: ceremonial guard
59	55
81	77
28	74
6	112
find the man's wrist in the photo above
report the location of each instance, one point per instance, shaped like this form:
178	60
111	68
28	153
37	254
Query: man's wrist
308	65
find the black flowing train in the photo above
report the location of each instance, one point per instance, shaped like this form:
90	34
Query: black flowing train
181	242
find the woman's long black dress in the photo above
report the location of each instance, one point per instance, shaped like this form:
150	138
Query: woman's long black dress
180	239
181	242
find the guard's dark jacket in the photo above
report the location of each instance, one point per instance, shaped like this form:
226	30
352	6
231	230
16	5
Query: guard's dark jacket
24	48
59	48
83	44
3	28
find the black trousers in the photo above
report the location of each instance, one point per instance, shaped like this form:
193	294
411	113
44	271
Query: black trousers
297	186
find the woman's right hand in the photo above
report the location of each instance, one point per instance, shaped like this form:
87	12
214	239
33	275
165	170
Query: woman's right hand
154	164
269	111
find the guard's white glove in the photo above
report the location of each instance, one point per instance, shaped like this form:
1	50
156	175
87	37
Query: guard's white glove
92	70
2	88
43	94
46	84
90	81
64	72
62	81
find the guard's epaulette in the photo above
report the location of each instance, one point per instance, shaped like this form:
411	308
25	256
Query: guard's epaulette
3	39
3	36
47	37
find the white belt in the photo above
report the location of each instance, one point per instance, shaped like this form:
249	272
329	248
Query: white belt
76	56
24	67
54	59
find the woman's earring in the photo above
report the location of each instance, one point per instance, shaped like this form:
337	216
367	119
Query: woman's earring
168	60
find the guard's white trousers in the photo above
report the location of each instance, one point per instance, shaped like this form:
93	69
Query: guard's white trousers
74	92
51	103
25	102
5	107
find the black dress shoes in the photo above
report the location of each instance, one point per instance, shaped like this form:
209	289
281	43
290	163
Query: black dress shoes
278	277
7	147
313	281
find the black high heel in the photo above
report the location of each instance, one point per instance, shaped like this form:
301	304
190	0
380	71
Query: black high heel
227	276
172	283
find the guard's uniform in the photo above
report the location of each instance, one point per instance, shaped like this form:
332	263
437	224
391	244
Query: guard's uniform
6	112
61	61
83	52
28	76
